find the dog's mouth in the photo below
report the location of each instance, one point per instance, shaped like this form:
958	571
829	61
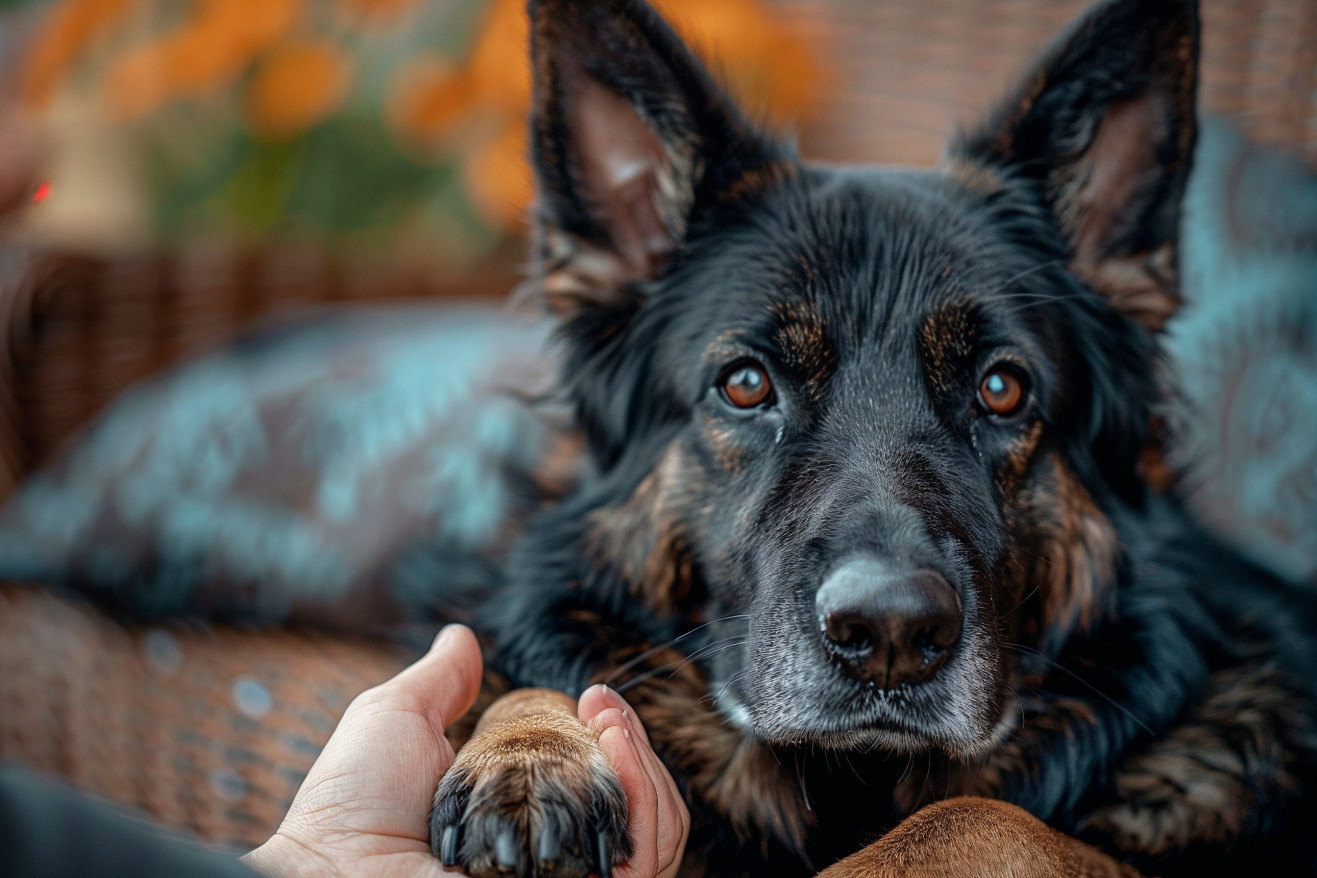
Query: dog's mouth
797	697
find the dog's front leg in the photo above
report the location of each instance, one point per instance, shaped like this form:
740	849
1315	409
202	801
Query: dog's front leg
531	793
977	838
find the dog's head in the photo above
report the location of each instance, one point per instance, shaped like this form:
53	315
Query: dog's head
879	421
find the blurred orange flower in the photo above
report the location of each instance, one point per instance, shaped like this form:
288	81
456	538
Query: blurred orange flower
64	34
381	8
217	43
283	66
498	180
296	86
429	95
767	65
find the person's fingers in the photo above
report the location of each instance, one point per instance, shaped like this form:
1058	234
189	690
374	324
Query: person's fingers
673	818
666	835
441	685
599	698
620	746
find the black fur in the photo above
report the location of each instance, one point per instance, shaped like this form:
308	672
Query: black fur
875	300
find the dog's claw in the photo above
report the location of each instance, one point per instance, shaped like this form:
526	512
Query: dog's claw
448	846
605	850
547	845
506	849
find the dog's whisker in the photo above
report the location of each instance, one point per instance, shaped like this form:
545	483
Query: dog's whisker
800	776
654	650
674	667
1021	275
1129	714
1033	591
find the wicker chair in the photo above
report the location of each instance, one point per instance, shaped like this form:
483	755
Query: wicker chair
210	730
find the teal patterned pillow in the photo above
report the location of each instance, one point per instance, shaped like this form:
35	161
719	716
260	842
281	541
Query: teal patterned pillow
344	469
1244	349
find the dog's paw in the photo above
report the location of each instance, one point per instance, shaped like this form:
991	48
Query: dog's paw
534	796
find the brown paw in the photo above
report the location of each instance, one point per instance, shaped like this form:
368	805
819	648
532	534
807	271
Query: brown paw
531	796
977	838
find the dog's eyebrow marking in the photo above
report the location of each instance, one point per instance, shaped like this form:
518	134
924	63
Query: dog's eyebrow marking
726	347
947	338
802	338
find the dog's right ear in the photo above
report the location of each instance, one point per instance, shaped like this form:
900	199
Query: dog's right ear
630	141
1104	125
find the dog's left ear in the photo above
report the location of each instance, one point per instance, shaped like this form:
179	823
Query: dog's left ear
630	141
1105	127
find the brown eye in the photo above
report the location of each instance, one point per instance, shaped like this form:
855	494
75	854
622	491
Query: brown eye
1001	391
747	386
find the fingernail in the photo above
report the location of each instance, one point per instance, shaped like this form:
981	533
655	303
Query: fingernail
444	634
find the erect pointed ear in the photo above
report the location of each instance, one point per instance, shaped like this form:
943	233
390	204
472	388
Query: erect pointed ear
630	140
1105	124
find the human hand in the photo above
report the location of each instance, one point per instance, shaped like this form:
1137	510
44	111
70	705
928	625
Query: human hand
659	821
363	808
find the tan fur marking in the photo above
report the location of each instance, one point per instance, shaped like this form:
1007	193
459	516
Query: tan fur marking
1143	286
725	348
756	181
643	540
1079	557
978	177
529	724
1198	783
946	338
560	466
577	274
803	341
975	838
729	455
521	703
1018	459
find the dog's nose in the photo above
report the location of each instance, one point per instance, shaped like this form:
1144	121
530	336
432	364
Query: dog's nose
887	625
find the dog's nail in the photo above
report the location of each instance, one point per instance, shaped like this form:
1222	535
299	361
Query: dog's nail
605	851
448	846
506	850
547	846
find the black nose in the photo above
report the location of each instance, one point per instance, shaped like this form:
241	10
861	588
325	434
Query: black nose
888	625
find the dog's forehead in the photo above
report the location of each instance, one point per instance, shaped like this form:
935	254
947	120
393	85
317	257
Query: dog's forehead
861	259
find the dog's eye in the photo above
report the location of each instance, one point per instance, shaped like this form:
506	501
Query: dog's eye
1002	391
746	385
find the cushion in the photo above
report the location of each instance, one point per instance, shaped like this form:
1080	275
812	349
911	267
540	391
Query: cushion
334	469
1244	350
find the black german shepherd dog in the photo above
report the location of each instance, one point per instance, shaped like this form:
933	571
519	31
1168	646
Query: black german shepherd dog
876	512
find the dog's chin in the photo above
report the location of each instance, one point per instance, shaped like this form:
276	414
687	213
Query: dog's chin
884	724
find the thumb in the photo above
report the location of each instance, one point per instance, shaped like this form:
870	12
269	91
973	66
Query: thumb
443	684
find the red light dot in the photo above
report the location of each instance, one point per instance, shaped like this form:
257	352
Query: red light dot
42	192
